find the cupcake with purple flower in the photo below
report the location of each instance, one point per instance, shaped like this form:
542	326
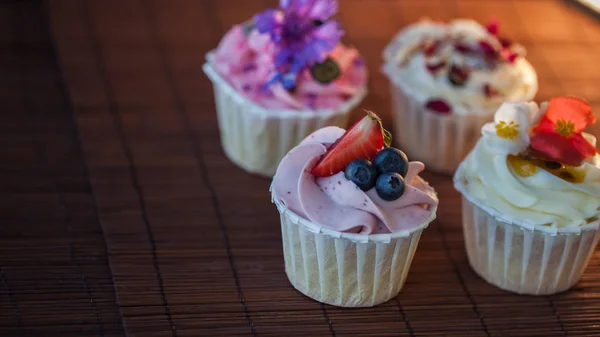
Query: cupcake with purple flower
447	81
279	77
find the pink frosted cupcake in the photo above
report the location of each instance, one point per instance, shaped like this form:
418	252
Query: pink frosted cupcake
281	76
350	226
447	79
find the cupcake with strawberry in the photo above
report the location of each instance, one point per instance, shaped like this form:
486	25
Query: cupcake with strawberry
352	212
281	76
447	80
531	196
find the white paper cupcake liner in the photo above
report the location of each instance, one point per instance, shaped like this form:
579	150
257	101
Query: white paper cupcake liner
344	269
440	141
520	257
256	138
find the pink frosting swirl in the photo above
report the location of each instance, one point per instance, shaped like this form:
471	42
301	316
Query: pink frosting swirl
337	203
246	62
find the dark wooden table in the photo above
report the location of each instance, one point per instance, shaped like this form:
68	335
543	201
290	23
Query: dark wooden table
120	215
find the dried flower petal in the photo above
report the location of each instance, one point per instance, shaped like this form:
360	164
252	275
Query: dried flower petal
509	55
489	90
493	26
430	47
439	105
434	67
512	57
506	43
463	48
458	75
487	48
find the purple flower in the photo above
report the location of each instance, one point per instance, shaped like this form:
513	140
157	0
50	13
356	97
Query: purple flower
303	34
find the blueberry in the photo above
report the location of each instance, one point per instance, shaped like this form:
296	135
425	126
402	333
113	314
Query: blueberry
362	173
390	186
391	160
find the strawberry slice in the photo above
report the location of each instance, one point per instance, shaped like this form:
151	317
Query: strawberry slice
363	140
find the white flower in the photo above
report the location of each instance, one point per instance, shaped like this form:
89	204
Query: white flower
509	133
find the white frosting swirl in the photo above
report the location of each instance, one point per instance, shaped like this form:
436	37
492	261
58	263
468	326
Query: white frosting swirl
539	199
513	81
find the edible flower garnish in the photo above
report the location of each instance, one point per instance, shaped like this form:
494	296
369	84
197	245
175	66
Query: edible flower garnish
303	33
558	136
459	55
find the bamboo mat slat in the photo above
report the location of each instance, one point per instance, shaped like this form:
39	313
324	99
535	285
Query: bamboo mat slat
55	278
194	242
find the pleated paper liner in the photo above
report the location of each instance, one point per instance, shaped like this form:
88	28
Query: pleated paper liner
345	269
438	140
523	258
256	138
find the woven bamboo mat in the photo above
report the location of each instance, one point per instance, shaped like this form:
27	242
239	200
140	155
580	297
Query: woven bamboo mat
55	278
194	242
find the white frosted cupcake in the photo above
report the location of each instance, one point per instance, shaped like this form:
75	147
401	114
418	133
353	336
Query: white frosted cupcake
447	79
281	76
531	197
350	227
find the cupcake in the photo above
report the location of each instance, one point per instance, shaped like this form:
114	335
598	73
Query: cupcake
531	192
281	76
447	80
350	227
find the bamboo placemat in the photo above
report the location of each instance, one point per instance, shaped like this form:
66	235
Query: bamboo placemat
194	242
54	274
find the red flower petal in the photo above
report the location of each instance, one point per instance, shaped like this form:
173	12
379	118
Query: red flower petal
435	67
439	106
493	26
509	55
487	49
558	135
545	126
571	151
458	75
430	47
489	90
463	48
505	42
582	146
571	109
512	57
